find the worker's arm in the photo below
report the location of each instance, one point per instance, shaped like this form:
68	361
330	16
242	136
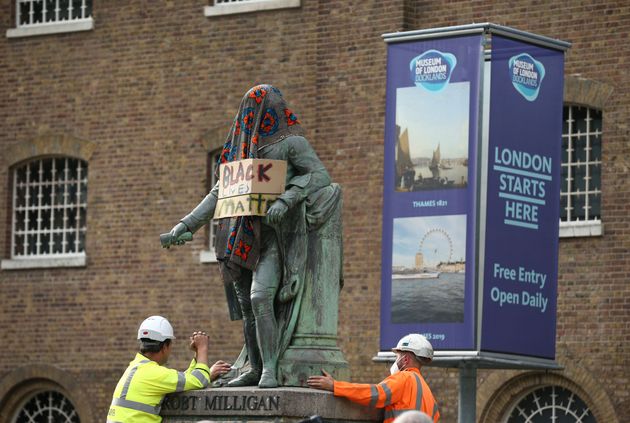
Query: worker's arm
197	376
198	367
378	395
199	343
162	380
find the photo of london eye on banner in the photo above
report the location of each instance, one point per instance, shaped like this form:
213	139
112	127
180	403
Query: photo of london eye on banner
428	269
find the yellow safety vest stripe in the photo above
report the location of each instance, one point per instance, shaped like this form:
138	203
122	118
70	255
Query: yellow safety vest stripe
138	406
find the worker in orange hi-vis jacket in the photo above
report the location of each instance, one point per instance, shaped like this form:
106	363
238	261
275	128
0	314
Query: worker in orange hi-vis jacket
404	390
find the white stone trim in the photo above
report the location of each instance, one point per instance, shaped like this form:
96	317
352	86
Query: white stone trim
74	260
207	256
86	24
248	6
579	229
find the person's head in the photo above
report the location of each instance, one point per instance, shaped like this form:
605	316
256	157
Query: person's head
156	350
413	416
412	350
155	334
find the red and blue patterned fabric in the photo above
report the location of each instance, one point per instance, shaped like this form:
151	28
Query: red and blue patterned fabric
263	118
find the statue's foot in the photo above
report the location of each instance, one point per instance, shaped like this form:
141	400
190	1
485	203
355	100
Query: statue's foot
250	378
268	380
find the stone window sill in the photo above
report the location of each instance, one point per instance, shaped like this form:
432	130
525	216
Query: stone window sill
207	256
52	28
78	260
581	229
249	6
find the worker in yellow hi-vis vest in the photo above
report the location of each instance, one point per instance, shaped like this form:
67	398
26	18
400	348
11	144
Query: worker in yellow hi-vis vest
139	394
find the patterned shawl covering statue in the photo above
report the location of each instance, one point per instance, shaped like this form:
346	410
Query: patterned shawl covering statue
263	119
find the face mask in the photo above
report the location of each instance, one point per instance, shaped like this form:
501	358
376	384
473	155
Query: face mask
394	369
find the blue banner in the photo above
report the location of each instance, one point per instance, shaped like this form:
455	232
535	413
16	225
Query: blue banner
429	200
523	189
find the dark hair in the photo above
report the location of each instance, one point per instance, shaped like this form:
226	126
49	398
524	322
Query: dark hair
152	346
424	360
421	361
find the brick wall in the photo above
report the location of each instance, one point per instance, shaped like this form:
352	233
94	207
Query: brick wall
152	80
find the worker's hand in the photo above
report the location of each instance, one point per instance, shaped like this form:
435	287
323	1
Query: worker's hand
199	340
219	369
277	211
326	382
176	232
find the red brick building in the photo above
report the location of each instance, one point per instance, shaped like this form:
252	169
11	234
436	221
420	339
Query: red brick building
110	114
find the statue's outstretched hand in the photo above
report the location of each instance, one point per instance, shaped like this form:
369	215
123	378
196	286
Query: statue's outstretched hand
176	232
277	211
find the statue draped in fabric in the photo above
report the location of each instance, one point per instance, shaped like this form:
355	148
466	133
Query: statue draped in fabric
264	260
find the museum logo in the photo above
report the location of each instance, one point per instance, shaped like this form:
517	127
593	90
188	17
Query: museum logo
527	75
432	69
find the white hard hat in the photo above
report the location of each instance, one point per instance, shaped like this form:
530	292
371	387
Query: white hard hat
156	328
415	343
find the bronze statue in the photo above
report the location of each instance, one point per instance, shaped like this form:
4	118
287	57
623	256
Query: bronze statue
264	260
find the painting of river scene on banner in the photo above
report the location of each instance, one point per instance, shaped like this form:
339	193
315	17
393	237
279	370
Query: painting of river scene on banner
428	269
432	138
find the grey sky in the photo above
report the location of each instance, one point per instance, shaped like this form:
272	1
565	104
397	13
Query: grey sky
435	117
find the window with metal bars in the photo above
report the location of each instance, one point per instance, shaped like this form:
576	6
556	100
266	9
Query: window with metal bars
581	189
42	12
40	17
551	404
49	208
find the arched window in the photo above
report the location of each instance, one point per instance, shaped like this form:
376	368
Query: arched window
41	393
46	406
550	404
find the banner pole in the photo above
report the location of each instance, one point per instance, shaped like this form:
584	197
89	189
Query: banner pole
467	410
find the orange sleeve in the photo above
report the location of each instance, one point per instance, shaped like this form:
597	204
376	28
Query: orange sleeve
361	393
379	396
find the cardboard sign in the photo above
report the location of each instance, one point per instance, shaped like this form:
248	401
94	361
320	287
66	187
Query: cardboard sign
248	187
252	176
244	205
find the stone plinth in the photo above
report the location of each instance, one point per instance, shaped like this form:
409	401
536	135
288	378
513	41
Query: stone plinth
263	405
